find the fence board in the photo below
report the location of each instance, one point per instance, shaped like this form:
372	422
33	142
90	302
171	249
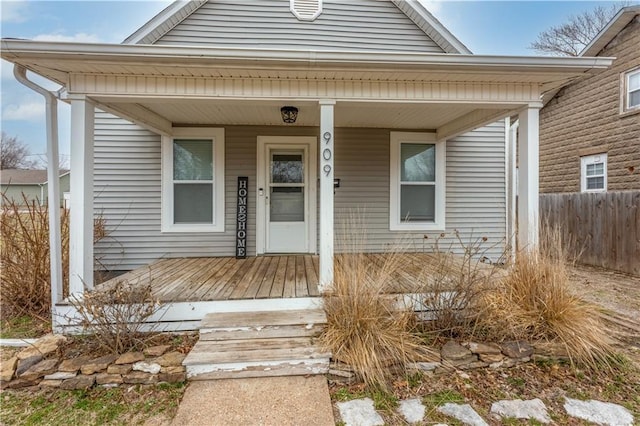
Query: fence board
603	228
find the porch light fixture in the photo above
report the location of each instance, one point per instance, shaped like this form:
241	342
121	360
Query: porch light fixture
289	114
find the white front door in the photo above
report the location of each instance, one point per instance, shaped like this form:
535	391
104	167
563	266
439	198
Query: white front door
286	195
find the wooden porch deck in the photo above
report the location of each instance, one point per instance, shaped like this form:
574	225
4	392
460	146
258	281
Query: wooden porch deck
262	277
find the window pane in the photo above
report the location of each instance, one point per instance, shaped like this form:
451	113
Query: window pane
287	168
417	203
417	162
634	99
287	204
192	203
595	182
595	169
634	81
192	159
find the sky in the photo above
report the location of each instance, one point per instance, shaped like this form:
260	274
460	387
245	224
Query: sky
485	27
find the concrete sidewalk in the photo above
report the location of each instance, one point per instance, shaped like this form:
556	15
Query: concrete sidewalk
293	400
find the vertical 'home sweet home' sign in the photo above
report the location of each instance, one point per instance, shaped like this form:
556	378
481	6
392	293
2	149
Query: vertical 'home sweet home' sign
241	218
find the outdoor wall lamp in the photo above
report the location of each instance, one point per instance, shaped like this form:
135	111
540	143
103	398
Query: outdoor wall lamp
289	114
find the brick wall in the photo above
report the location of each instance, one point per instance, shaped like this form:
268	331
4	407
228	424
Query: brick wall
584	118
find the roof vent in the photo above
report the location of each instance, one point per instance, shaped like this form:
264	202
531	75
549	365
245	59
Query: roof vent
306	10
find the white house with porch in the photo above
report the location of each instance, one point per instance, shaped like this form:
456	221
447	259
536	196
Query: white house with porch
326	107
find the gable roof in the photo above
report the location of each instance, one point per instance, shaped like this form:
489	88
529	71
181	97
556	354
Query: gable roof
25	177
611	30
178	11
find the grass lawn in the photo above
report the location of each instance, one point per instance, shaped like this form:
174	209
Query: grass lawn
23	327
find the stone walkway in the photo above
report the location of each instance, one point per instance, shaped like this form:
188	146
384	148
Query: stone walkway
361	412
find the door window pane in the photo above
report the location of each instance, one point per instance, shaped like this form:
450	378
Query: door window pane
417	162
417	203
287	168
192	159
193	203
287	204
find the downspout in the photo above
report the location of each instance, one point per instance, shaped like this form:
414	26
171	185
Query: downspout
55	241
513	184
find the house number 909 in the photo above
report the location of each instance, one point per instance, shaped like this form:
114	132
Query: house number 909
326	154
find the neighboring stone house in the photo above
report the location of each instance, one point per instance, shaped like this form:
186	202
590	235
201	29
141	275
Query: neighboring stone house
32	184
590	130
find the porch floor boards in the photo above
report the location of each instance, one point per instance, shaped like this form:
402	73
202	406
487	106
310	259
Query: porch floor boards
262	277
226	278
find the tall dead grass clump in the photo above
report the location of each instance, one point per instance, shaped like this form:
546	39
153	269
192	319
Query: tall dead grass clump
365	327
534	302
24	257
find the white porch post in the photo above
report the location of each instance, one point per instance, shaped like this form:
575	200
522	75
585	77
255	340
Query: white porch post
528	178
81	205
326	194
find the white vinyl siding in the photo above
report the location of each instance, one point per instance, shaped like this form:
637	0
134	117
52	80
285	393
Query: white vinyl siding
362	25
128	191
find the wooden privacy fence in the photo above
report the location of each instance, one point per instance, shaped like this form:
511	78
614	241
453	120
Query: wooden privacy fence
605	227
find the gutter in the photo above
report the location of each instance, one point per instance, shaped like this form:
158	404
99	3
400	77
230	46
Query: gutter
55	240
16	50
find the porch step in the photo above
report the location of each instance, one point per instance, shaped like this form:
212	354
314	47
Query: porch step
258	344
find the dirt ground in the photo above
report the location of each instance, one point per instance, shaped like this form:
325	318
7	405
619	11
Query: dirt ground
619	295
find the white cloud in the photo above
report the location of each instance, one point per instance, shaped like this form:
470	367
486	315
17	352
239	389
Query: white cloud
77	38
27	111
13	11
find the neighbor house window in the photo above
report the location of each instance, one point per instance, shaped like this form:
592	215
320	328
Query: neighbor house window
593	174
631	99
193	181
417	191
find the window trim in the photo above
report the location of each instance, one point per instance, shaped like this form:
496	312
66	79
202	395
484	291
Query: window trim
625	92
217	139
588	160
395	223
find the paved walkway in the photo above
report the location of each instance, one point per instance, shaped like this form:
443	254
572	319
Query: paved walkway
281	401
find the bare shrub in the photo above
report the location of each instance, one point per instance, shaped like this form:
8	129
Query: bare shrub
116	316
365	327
452	284
534	302
24	257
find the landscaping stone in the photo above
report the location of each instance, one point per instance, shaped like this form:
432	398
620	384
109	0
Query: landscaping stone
8	369
81	382
130	358
412	410
50	383
472	365
40	369
601	413
359	412
119	369
519	409
26	363
453	351
60	375
339	373
517	349
424	366
155	351
43	346
18	384
463	413
170	359
172	370
172	377
147	367
139	377
106	379
98	364
73	364
487	352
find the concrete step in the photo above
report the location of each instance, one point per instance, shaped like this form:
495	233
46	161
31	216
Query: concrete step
269	324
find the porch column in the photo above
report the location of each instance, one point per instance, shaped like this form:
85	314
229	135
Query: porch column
326	194
81	203
528	178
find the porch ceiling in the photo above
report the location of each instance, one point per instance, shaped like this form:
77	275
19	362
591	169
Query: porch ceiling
182	112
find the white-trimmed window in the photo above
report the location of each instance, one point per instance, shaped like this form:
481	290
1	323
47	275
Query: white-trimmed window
631	99
193	180
417	191
593	174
